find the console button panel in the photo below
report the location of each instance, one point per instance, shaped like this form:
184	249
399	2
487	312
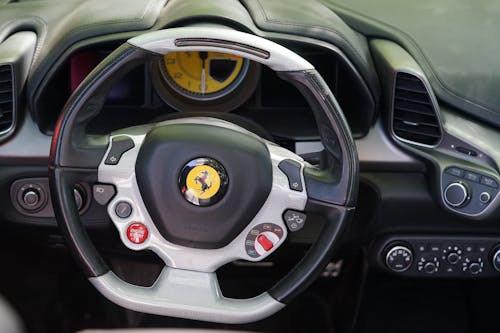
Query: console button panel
466	191
262	239
444	257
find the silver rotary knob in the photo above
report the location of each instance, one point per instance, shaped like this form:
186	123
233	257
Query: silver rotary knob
496	259
31	198
456	194
399	258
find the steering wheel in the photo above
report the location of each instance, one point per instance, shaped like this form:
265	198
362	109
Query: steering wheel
201	192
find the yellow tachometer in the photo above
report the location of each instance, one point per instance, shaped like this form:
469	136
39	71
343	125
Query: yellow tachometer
204	75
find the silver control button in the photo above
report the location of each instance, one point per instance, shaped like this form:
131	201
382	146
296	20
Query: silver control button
456	194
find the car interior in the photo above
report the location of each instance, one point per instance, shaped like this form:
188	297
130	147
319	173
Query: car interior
249	166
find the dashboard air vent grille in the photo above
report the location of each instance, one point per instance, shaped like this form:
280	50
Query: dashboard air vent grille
414	116
6	99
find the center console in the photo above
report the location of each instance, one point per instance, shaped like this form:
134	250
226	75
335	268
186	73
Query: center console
445	257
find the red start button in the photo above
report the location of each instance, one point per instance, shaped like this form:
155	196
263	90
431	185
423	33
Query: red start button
137	233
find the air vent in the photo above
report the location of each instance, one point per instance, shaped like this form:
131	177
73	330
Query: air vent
415	117
6	99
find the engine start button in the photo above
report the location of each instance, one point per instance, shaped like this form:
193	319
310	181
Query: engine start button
137	233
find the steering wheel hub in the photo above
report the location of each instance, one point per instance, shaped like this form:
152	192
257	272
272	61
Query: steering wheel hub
202	202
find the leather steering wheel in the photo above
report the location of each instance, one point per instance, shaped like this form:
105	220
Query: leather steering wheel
201	192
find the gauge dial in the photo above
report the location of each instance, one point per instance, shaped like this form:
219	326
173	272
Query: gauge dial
204	75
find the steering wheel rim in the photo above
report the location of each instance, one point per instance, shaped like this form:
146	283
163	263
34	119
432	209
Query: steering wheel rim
330	191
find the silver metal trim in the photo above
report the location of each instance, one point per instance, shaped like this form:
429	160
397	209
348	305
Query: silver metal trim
164	41
186	294
123	177
186	42
395	248
464	190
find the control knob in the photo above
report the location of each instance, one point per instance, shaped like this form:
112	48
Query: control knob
31	198
453	255
429	266
399	258
473	266
456	194
496	259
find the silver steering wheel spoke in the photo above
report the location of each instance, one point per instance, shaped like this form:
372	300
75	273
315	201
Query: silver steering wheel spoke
186	294
245	246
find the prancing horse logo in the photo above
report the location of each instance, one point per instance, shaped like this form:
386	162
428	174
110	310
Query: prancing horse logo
204	178
203	181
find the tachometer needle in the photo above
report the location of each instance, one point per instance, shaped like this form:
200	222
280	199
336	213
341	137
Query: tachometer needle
203	57
203	81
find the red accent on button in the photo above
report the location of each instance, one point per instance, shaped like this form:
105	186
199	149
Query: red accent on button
137	233
265	242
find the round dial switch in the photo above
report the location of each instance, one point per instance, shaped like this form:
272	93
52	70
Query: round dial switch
496	260
428	265
456	194
399	258
473	265
31	197
452	254
262	239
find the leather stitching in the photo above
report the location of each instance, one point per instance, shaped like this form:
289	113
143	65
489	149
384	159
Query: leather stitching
333	31
92	26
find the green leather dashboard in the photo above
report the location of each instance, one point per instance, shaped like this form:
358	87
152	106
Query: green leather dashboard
451	40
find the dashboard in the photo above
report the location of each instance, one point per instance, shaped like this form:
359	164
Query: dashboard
428	199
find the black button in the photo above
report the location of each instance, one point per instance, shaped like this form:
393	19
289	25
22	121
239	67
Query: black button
291	169
294	220
484	197
103	193
119	146
473	177
123	209
454	171
489	182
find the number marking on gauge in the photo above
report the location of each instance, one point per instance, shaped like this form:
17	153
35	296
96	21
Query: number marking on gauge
204	75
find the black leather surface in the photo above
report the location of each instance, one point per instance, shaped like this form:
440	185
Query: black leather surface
61	24
315	20
453	41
